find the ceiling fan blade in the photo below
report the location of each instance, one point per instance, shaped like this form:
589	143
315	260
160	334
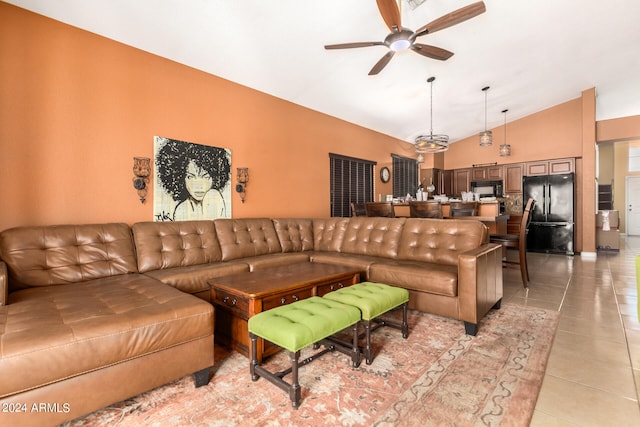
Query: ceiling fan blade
352	45
382	63
453	18
390	14
432	52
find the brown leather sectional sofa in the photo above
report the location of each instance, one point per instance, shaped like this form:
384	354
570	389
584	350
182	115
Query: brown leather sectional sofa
93	314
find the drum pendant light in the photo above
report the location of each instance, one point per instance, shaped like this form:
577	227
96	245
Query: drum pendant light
505	149
486	137
431	143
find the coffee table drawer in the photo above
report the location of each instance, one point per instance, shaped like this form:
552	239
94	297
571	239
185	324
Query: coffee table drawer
288	298
334	286
232	302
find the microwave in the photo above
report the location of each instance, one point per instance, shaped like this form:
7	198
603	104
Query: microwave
487	188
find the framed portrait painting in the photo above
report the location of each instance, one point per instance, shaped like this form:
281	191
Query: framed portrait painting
192	181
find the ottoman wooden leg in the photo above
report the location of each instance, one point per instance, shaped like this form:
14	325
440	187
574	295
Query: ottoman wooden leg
294	389
368	352
405	324
254	357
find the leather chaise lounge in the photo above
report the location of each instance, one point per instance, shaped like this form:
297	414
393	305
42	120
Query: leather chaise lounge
94	314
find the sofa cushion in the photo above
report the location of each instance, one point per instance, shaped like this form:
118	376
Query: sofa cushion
50	334
295	234
275	260
193	279
328	233
439	241
242	238
175	244
417	276
374	236
63	254
359	262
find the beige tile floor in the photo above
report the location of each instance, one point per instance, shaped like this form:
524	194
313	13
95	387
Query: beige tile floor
593	373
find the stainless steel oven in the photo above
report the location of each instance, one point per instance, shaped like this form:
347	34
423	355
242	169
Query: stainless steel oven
487	188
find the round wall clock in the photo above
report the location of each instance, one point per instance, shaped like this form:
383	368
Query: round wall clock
385	175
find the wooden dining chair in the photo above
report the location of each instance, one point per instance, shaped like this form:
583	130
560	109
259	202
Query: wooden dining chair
358	209
464	208
425	209
518	241
384	209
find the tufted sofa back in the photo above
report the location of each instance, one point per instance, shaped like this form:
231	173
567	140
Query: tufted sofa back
63	254
375	236
439	241
175	244
328	233
241	238
295	234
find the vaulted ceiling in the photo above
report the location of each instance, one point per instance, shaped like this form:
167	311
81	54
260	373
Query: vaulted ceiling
532	54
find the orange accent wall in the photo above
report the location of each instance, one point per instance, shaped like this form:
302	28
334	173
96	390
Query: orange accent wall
76	108
620	129
548	134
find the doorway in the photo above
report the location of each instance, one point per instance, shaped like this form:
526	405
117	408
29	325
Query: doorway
633	205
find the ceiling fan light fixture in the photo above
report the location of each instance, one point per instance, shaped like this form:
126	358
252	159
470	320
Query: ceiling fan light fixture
400	40
431	143
486	136
505	149
399	45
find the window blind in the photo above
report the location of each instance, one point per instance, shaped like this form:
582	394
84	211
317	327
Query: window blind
405	175
351	181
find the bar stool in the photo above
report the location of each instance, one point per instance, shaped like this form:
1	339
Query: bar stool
425	209
384	209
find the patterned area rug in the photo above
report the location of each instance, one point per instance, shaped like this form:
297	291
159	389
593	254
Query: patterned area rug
438	376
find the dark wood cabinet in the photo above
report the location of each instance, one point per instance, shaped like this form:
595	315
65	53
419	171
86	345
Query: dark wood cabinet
446	183
479	174
486	173
494	173
461	180
550	167
513	178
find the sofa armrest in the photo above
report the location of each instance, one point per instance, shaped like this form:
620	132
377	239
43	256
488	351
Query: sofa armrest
4	284
479	281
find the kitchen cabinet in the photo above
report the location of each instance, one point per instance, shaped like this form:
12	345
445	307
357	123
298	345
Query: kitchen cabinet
513	178
550	167
446	183
486	173
461	180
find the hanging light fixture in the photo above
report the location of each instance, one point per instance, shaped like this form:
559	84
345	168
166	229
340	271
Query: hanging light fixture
505	149
431	143
486	137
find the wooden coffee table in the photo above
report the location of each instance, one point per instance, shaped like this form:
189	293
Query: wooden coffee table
239	296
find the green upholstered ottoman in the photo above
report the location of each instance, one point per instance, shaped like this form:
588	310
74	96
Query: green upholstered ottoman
298	325
374	300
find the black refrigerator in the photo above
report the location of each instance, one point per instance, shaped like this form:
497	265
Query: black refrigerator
551	228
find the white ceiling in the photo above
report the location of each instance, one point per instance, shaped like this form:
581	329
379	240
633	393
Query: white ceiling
533	54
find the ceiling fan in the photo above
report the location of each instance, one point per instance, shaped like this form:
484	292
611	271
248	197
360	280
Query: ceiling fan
402	38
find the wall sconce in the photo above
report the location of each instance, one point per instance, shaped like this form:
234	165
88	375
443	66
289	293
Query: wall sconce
243	179
141	172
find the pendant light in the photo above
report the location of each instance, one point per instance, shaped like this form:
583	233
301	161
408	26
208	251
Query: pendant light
431	143
505	149
486	137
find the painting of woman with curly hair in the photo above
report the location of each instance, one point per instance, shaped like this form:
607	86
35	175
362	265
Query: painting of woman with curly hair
193	181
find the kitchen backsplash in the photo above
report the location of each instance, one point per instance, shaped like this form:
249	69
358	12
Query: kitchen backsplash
513	204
